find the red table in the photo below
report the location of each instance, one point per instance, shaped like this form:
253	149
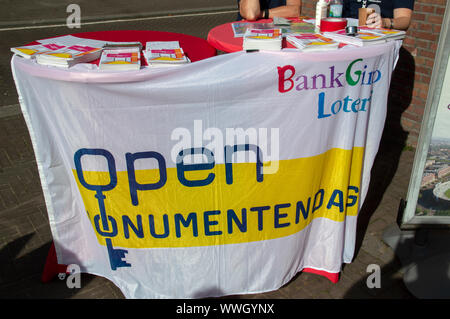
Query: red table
222	37
195	48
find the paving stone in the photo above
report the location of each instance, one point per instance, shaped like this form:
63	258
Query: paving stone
347	288
297	288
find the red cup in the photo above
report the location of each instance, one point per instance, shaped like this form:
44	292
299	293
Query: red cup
332	24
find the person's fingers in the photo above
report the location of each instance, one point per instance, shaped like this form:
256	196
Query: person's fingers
372	15
373	20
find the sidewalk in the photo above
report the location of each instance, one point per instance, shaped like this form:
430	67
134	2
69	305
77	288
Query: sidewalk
22	13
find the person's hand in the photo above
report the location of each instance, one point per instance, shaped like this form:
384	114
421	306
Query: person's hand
374	20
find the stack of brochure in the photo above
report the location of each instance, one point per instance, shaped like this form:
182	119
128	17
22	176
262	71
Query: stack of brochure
31	51
262	39
68	50
298	27
120	58
362	38
311	42
281	22
239	28
69	55
388	34
164	53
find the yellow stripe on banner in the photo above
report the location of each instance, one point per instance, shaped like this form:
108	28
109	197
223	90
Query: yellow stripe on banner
326	185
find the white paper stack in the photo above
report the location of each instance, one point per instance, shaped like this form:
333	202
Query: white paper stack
308	42
262	39
68	56
121	58
164	54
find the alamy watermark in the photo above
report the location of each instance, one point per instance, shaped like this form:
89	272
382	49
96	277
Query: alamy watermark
74	19
374	279
73	274
215	145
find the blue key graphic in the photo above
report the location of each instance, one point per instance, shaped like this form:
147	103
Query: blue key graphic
102	221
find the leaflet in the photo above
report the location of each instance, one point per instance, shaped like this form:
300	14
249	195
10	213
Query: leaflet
120	59
312	42
168	52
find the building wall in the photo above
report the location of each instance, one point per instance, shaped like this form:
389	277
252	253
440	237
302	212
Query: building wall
412	76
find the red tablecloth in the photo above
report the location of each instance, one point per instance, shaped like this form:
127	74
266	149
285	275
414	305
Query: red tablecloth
195	48
222	37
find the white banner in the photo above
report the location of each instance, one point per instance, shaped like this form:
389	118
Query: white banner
224	176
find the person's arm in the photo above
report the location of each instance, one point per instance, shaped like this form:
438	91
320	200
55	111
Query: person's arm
290	10
401	20
251	10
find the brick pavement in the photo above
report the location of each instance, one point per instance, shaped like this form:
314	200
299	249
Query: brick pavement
25	235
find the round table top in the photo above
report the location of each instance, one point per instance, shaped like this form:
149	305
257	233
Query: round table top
194	47
222	37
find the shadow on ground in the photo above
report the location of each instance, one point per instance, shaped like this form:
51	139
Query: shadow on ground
393	142
20	276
